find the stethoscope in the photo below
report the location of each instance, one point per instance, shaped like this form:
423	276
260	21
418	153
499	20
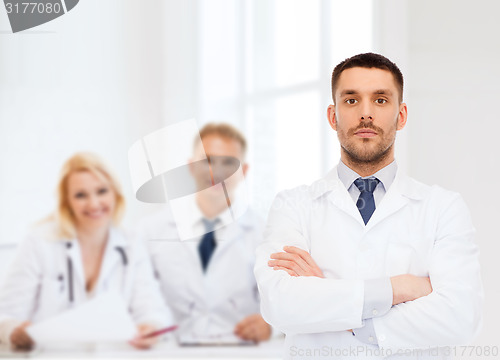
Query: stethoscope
69	263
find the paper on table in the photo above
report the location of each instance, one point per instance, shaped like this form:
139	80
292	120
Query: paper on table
102	319
187	339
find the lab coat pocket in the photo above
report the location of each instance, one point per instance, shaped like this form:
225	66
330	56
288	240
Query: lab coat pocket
399	257
403	258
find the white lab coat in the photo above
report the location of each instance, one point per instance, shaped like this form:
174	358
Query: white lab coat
416	229
37	284
211	303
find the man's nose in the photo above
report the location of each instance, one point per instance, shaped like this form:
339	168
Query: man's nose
366	112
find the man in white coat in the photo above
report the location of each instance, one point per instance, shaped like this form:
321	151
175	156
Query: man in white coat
367	262
208	280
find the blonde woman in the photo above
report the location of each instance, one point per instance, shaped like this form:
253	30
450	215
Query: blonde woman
80	253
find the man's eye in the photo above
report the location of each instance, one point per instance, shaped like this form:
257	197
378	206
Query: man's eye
80	195
102	191
351	101
381	101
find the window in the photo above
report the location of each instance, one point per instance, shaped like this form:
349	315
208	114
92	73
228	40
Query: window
265	66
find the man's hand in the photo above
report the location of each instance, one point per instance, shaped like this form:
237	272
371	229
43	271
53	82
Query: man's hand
253	328
144	343
409	287
296	262
20	338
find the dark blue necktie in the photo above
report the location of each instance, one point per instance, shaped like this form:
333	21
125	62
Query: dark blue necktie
366	203
207	244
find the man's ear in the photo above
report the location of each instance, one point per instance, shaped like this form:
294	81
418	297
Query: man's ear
332	119
402	116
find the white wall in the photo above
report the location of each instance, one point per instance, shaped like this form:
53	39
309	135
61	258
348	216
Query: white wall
122	77
61	90
451	54
96	79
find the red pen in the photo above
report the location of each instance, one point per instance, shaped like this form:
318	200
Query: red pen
159	332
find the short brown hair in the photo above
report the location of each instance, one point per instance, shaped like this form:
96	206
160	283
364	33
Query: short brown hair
224	130
368	60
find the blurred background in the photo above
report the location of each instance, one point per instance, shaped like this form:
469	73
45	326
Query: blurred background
112	71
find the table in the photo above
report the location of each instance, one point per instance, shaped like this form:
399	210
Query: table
270	350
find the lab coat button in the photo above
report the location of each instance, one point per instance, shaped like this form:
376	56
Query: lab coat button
370	339
374	312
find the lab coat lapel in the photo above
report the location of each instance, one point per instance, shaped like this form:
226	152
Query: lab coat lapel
231	229
341	198
189	217
397	197
191	247
75	255
401	191
338	194
230	233
111	256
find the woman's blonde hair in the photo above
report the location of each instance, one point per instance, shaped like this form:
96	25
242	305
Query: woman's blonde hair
83	161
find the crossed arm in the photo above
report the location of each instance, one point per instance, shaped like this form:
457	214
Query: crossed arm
298	262
298	299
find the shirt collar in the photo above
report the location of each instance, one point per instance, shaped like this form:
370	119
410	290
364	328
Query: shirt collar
195	217
386	175
331	183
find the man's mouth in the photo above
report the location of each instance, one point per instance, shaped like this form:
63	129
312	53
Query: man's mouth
366	133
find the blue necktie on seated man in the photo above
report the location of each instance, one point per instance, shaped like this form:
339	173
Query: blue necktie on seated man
207	244
366	202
